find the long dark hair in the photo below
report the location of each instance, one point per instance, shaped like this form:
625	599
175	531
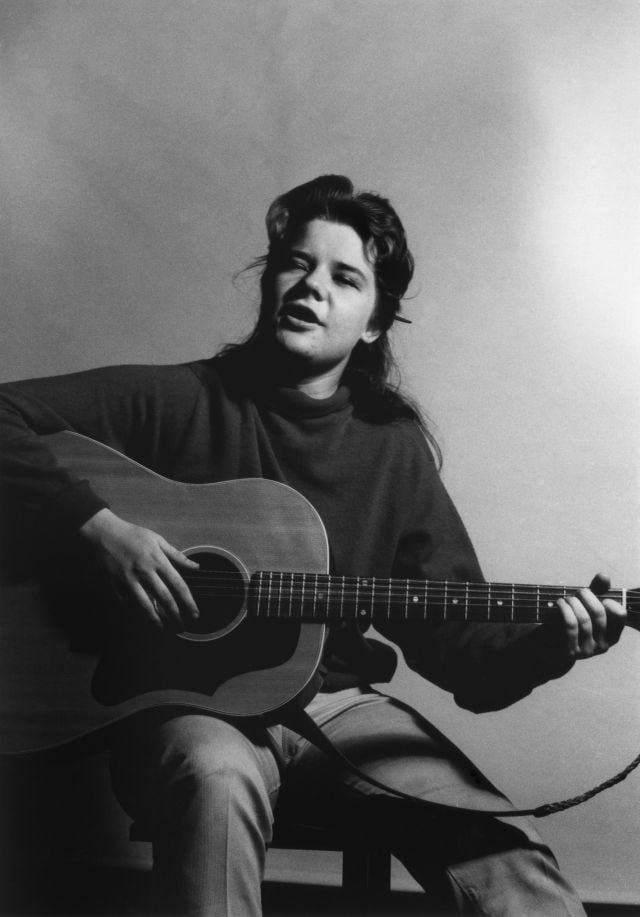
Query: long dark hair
372	372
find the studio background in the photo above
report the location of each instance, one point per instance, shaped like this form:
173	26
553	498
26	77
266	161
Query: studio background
141	142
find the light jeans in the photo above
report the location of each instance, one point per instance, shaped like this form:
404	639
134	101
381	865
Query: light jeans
210	791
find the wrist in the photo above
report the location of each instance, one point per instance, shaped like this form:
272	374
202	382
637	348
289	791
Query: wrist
97	524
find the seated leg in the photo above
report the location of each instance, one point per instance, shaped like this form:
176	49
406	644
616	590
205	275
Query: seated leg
466	864
207	790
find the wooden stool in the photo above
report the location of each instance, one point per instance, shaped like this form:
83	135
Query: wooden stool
366	866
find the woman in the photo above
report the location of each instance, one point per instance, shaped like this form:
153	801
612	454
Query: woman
306	400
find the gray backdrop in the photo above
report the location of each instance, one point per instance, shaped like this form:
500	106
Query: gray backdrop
141	143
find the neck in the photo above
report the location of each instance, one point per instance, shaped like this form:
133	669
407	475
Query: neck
297	374
319	386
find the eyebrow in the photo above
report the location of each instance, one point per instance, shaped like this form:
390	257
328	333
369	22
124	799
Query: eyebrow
343	266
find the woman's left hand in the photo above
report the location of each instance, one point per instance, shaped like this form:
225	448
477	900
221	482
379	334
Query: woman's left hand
592	622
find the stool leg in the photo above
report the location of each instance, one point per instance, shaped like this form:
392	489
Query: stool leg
366	869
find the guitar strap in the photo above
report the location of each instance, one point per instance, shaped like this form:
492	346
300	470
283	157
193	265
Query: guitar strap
297	719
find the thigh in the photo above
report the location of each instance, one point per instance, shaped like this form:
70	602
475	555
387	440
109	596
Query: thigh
464	861
162	753
394	744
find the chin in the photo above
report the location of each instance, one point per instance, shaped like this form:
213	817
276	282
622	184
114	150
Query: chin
292	343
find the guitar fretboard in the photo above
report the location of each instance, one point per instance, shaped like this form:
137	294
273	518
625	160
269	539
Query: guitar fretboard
322	597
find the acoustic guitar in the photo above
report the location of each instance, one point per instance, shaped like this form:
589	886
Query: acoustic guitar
264	594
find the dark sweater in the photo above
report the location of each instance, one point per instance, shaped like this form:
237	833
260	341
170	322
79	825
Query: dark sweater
374	484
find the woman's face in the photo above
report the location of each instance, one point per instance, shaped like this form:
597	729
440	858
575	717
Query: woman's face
325	297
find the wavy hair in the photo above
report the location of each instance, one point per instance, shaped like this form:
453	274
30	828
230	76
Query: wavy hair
371	372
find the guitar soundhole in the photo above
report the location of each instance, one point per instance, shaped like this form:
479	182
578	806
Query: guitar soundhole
219	588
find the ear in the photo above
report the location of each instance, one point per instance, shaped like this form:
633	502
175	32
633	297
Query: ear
371	333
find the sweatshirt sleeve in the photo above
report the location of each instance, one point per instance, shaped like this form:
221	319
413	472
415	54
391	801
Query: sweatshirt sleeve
485	666
135	409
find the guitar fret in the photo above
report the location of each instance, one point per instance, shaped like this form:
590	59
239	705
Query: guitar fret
412	607
265	593
277	593
363	585
550	598
322	597
254	594
498	603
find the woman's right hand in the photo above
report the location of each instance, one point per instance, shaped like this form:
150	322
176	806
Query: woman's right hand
143	568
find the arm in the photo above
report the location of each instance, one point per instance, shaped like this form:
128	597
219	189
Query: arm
490	666
486	666
138	410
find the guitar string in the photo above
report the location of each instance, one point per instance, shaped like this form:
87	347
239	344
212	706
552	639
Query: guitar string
410	591
478	607
329	581
397	598
355	598
459	613
385	585
401	594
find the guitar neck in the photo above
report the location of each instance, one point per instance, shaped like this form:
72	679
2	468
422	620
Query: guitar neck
324	598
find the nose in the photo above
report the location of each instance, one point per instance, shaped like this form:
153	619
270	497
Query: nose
315	283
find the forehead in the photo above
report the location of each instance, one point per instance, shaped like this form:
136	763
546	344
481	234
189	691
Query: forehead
336	242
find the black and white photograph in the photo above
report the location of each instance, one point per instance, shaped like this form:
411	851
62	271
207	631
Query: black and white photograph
319	458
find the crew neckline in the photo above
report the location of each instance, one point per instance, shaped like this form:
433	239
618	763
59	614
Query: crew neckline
294	403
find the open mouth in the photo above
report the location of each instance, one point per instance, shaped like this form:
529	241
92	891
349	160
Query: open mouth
298	315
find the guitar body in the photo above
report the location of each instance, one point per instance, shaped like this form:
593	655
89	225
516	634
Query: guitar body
56	685
75	661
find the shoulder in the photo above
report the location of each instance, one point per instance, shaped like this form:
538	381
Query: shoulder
107	387
166	381
397	456
127	377
388	407
405	439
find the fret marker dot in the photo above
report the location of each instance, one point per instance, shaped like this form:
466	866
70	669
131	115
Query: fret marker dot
363	611
415	598
455	601
499	601
549	604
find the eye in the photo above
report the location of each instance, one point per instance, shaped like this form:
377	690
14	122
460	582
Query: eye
292	263
346	280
